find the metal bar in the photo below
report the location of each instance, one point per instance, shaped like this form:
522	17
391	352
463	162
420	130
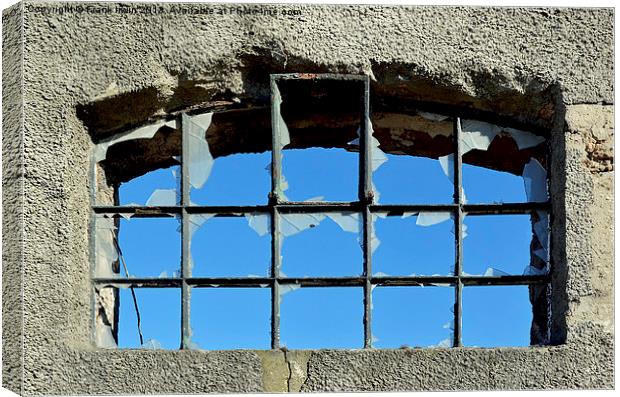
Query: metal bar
137	211
505	208
276	172
400	208
505	280
458	232
185	237
322	206
228	210
138	282
359	281
305	207
276	149
366	196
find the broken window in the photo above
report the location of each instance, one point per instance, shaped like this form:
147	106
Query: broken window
409	227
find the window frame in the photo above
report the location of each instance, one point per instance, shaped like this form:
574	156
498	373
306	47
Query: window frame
365	206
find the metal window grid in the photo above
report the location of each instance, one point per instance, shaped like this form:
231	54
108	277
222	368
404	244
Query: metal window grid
364	206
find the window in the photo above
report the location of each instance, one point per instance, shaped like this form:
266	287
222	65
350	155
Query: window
454	239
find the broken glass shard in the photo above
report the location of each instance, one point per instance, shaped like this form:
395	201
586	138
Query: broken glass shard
477	135
162	198
106	265
524	139
535	180
259	223
286	288
432	218
145	132
291	224
281	128
199	157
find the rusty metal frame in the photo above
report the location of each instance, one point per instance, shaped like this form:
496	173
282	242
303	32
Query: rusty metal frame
364	206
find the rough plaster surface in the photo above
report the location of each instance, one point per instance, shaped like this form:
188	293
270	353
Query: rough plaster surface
13	205
86	76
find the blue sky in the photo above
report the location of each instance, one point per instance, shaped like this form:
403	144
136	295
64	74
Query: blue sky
226	318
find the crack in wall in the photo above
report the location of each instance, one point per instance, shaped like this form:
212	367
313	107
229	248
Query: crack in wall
290	371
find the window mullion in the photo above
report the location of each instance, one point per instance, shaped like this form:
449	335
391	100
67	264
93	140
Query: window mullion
458	232
276	172
185	235
366	198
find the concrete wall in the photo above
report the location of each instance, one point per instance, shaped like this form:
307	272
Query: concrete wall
86	76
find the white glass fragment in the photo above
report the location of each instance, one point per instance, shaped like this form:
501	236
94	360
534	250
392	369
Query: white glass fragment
447	165
200	160
542	254
535	180
259	223
282	187
286	288
348	221
432	218
444	343
107	253
477	135
534	271
281	128
152	344
381	274
374	240
145	132
196	222
463	230
408	215
433	116
541	230
162	198
190	344
524	139
292	224
105	338
492	272
378	157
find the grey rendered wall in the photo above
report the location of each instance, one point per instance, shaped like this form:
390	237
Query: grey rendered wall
12	198
88	75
